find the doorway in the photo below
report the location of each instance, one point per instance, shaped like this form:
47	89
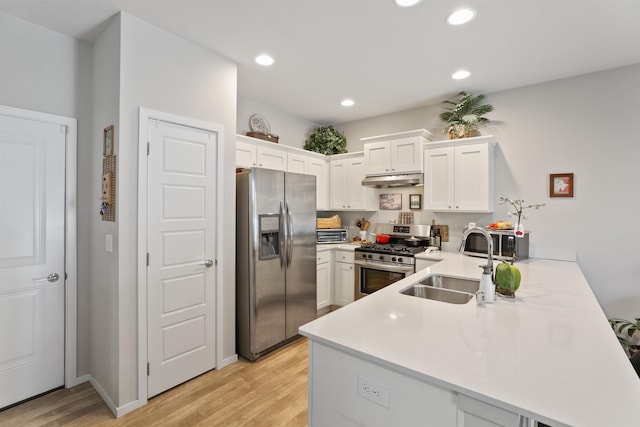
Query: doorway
37	253
179	178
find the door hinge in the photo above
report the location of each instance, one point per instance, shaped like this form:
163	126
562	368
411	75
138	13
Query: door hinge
148	148
66	276
148	369
147	259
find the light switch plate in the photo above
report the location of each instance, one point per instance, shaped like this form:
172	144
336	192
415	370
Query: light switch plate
108	243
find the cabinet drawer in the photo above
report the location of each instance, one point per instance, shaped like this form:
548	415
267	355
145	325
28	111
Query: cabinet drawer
344	256
323	257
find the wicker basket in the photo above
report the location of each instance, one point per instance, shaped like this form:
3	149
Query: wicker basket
265	136
332	222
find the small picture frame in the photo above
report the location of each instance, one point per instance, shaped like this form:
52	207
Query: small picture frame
561	185
391	202
107	142
415	201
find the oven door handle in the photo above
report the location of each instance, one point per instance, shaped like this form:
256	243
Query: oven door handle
386	267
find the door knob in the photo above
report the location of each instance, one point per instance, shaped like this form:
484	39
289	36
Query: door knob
53	277
209	263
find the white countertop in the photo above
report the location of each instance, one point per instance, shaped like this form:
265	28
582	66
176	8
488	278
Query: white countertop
548	354
340	246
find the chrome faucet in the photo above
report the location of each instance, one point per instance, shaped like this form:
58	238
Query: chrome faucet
488	269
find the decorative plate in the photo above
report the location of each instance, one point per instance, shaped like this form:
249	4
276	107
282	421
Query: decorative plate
259	124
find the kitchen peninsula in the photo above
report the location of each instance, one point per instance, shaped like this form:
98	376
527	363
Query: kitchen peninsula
548	355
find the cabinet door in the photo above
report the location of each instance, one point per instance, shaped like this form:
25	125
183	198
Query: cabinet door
472	179
406	155
475	413
439	179
318	167
245	155
270	158
297	163
377	158
357	198
338	186
323	279
344	281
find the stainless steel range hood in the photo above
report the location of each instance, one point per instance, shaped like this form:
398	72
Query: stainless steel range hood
407	180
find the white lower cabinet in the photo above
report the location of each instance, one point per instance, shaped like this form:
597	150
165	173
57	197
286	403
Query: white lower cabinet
347	391
476	413
344	277
324	279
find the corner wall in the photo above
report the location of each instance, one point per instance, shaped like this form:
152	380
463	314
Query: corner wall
165	73
584	125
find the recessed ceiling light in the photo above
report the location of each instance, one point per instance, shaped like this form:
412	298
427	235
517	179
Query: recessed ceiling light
459	75
461	16
265	60
347	103
407	3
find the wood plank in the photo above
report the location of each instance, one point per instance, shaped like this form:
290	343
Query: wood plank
269	392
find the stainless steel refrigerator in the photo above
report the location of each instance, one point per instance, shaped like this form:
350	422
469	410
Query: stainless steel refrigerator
275	258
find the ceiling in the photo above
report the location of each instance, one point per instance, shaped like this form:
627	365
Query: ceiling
383	57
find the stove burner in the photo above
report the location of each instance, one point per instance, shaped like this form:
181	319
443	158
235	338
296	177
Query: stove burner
392	248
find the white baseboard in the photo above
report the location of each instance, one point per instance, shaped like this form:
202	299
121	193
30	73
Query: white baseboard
78	380
228	361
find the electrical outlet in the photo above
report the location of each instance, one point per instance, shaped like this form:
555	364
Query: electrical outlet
373	391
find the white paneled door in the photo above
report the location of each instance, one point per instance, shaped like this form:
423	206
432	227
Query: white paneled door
181	248
32	257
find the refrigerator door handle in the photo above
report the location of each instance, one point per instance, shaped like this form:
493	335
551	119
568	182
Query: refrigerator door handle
282	236
290	233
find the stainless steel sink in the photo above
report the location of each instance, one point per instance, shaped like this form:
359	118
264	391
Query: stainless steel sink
454	283
448	289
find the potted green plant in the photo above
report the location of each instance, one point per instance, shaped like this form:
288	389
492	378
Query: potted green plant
465	115
626	332
326	140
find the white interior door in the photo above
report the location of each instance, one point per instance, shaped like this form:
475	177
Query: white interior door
32	257
181	240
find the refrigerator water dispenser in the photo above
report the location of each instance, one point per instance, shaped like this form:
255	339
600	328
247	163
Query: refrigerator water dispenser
269	236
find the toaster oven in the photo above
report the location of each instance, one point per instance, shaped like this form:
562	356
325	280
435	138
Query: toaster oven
331	235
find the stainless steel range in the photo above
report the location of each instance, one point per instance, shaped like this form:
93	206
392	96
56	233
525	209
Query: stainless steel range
379	265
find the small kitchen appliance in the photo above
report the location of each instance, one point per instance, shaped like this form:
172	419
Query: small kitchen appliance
505	245
379	265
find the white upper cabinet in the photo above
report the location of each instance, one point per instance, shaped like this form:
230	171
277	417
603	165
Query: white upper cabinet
399	153
253	152
346	175
458	175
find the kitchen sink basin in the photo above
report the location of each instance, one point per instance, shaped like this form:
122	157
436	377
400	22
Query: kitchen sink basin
454	283
448	289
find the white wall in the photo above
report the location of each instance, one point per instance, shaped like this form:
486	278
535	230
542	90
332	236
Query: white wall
162	72
104	293
293	131
584	125
45	71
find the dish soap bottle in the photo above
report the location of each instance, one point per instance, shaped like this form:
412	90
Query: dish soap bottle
486	284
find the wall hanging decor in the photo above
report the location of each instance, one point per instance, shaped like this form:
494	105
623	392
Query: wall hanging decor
415	201
391	202
561	185
107	141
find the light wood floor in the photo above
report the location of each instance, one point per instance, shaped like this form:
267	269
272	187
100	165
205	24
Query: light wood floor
269	392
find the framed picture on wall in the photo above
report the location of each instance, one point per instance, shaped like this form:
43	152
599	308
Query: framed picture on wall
107	141
391	202
561	185
415	201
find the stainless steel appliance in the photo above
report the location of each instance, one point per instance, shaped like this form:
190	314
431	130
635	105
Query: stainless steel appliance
379	265
505	245
331	235
275	258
